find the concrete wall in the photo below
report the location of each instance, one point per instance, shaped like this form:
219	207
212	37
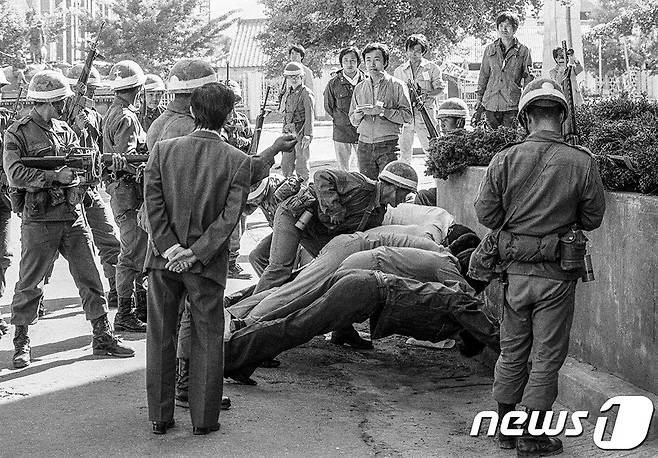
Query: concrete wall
616	321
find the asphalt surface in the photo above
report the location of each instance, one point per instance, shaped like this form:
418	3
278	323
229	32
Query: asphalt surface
396	400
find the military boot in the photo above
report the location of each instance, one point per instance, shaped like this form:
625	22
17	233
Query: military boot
505	441
125	319
22	354
182	382
542	445
42	310
105	343
140	305
112	297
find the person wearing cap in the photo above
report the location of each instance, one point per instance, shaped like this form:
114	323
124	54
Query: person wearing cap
123	134
155	89
337	99
379	107
423	292
296	53
87	127
339	202
5	206
452	115
52	220
298	107
505	70
37	40
426	77
539	294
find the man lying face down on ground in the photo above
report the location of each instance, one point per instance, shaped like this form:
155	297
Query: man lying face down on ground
429	298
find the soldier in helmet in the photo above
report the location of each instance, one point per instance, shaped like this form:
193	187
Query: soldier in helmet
122	135
5	207
87	127
37	40
155	89
51	218
297	105
537	191
340	202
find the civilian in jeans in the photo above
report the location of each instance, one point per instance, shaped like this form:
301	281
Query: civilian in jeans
337	99
505	69
380	106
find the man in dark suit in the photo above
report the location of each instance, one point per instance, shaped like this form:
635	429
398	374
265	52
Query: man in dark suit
195	189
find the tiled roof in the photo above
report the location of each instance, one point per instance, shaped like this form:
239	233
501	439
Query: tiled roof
246	50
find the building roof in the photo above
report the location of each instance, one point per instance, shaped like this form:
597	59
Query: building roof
246	50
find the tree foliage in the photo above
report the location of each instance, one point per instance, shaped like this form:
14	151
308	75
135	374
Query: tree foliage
157	33
325	26
13	28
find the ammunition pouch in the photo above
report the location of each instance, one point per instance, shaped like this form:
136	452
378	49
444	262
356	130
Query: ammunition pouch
36	203
573	248
305	199
527	248
75	195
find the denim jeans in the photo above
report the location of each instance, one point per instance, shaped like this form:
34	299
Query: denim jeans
537	317
373	157
394	304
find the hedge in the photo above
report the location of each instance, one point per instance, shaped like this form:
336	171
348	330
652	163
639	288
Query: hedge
621	126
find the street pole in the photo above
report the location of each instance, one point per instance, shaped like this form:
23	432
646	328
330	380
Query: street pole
601	66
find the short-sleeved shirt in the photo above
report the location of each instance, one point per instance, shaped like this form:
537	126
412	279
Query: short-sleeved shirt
428	77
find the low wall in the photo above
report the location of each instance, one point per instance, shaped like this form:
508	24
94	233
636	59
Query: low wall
615	326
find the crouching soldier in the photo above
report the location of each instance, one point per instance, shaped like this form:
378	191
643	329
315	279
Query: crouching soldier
51	218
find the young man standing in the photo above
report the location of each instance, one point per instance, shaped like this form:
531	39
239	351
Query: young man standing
296	53
298	116
505	70
426	76
380	106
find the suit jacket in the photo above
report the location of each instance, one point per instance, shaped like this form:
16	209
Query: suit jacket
196	187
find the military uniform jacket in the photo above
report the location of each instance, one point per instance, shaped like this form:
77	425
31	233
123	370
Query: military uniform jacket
4	124
176	121
92	135
337	100
298	109
32	136
151	115
238	131
122	132
569	191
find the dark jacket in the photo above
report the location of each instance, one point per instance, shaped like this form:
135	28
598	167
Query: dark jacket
176	121
337	100
569	191
215	177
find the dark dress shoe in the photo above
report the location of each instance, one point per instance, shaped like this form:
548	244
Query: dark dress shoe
242	379
203	430
349	336
270	363
161	427
226	403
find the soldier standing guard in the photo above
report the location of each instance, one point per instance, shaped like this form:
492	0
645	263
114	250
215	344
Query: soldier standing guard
123	134
155	89
5	208
87	127
51	218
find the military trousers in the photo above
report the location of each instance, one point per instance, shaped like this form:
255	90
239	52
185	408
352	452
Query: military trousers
40	243
296	161
165	294
536	323
102	230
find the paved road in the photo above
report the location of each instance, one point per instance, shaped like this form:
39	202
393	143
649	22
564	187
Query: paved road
398	400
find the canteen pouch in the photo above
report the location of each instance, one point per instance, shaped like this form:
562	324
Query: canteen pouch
75	195
573	247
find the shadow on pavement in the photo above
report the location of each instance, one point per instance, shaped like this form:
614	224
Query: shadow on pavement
38	368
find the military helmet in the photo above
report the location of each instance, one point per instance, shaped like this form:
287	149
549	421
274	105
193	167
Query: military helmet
453	107
154	83
188	74
3	79
126	74
400	174
293	69
542	92
74	73
48	86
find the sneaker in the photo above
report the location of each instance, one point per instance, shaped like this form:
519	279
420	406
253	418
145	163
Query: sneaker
237	273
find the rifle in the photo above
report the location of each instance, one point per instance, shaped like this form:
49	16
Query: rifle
14	110
478	115
260	119
417	103
227	72
571	129
86	162
79	100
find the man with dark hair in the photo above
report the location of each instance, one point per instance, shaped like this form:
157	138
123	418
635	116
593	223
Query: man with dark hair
538	191
380	106
189	254
506	69
296	53
426	76
337	99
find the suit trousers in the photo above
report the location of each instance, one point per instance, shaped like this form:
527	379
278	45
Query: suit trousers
5	254
40	243
373	157
537	317
417	127
165	293
296	161
99	219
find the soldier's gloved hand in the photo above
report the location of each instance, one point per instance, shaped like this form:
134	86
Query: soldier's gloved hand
65	175
118	162
285	142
